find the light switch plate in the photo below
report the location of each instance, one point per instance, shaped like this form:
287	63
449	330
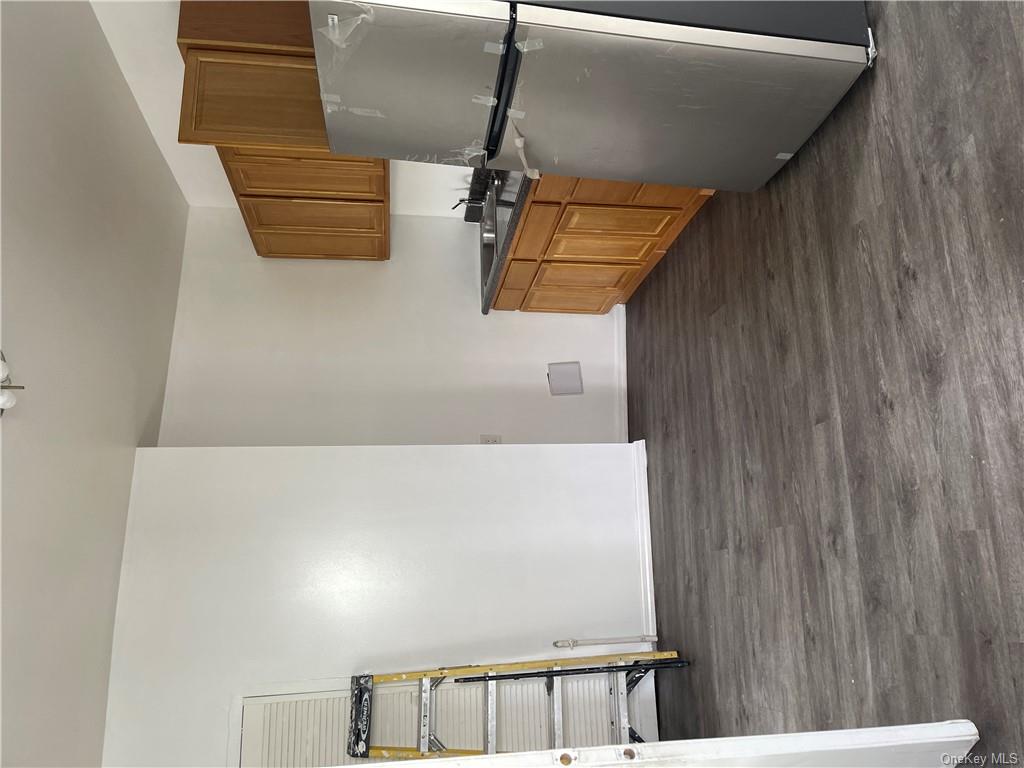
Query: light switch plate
565	378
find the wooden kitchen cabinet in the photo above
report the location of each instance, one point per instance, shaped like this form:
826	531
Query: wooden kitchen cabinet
665	195
554	188
583	301
323	177
584	245
591	248
251	88
323	229
519	277
535	231
323	244
604	191
260	99
575	275
617	220
275	26
243	153
281	213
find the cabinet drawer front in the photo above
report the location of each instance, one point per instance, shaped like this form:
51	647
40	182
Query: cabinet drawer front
597	248
535	231
317	245
594	301
508	299
307	178
284	154
603	191
519	275
573	275
276	213
663	194
613	220
516	282
554	188
251	99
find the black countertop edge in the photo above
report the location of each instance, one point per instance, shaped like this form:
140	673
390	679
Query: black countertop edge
501	254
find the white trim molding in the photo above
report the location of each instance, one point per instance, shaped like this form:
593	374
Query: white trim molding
649	623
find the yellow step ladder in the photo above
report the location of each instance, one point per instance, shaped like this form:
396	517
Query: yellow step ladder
624	671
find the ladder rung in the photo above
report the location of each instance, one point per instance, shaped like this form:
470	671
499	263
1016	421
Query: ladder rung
555	693
411	753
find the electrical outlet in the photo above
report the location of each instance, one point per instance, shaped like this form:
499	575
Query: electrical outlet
490	439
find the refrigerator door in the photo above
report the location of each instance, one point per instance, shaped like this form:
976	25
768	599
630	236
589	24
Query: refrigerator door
617	98
410	80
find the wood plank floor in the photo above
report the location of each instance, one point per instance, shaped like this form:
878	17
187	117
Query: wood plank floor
830	377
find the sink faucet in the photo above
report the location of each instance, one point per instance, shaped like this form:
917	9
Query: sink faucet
469	202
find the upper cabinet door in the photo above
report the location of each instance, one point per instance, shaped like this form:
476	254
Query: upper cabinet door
251	99
616	220
409	84
307	178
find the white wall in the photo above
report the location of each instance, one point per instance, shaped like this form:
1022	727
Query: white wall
424	189
246	567
93	229
305	352
143	37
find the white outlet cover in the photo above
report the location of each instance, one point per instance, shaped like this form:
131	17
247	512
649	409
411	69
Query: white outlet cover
565	378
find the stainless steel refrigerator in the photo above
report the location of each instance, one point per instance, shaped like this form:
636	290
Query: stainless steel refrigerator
698	94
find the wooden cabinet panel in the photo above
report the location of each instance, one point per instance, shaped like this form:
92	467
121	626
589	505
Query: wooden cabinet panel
596	240
664	194
281	25
599	248
286	244
519	275
554	188
251	99
604	191
251	88
280	154
515	283
580	275
570	300
508	299
306	178
278	213
535	231
592	219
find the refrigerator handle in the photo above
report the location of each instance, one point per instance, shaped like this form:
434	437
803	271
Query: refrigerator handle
504	86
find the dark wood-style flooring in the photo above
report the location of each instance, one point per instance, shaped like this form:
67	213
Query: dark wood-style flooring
829	374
